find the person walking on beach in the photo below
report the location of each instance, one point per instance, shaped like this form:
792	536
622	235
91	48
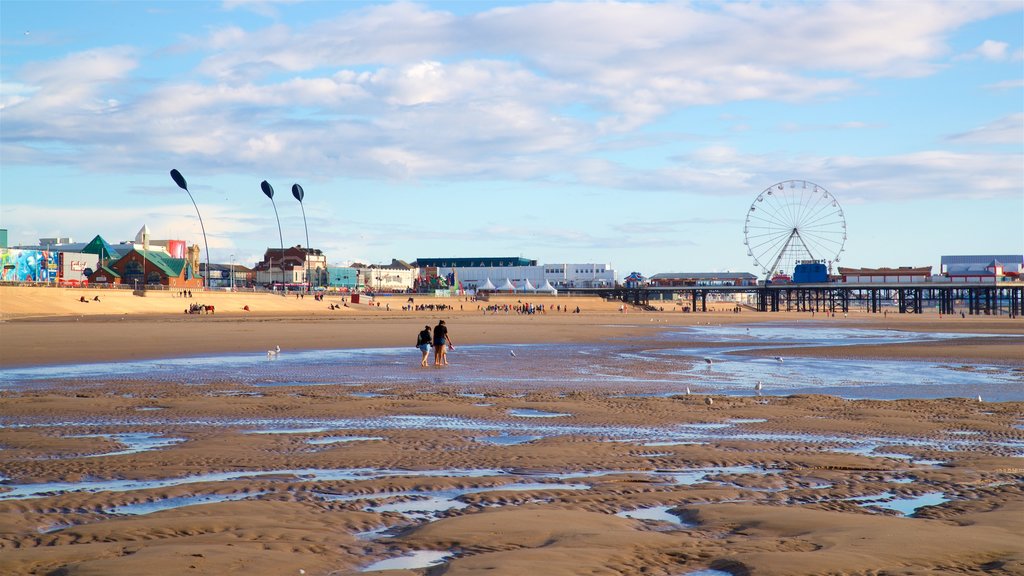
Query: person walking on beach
423	343
441	342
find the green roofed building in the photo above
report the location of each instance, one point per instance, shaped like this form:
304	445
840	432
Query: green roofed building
139	268
101	248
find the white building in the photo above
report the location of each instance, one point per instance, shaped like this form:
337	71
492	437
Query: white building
399	276
558	276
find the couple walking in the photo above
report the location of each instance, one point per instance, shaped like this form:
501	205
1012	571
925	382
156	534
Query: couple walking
441	341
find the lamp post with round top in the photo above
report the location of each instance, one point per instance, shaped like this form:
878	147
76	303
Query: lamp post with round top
269	191
299	194
180	181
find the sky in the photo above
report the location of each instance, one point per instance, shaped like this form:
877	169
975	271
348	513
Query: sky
636	134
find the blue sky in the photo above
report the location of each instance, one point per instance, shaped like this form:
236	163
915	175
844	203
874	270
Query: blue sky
635	134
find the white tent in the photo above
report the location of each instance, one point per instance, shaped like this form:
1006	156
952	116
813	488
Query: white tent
487	285
547	288
507	286
527	286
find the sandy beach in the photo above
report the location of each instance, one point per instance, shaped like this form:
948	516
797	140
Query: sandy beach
581	454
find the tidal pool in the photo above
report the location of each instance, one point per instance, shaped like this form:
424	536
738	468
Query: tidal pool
531	413
417	559
508	439
905	505
341	439
134	442
659	513
142	508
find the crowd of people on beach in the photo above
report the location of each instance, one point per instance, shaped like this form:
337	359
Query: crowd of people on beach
427	307
524	308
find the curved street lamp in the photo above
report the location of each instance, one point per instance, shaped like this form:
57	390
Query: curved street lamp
180	181
299	194
269	191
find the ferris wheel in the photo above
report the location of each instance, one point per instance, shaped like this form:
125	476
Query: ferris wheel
793	222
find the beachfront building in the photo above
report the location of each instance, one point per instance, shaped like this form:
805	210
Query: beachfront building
982	268
292	268
28	266
228	275
682	279
398	276
145	240
903	274
147	268
56	260
343	279
523	275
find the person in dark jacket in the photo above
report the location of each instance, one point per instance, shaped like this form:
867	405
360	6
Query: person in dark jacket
442	343
423	344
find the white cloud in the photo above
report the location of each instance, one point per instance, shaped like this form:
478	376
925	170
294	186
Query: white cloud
1006	85
992	50
1006	130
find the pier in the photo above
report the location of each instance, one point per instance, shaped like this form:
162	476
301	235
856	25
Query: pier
970	299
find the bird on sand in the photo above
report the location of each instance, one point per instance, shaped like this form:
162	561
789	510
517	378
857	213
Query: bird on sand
709	401
979	398
687	390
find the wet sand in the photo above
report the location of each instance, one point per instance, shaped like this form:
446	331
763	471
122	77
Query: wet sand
804	484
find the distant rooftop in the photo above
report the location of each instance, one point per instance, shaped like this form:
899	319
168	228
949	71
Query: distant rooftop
1011	262
478	262
703	275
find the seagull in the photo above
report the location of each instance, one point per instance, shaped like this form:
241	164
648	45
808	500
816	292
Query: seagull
758	387
708	361
979	398
778	358
274	353
512	353
709	401
687	390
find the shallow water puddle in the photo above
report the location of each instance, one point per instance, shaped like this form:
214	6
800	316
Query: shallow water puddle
689	477
367	394
507	439
427	503
142	508
23	491
658	513
905	505
419	505
708	572
531	413
341	439
135	442
417	559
